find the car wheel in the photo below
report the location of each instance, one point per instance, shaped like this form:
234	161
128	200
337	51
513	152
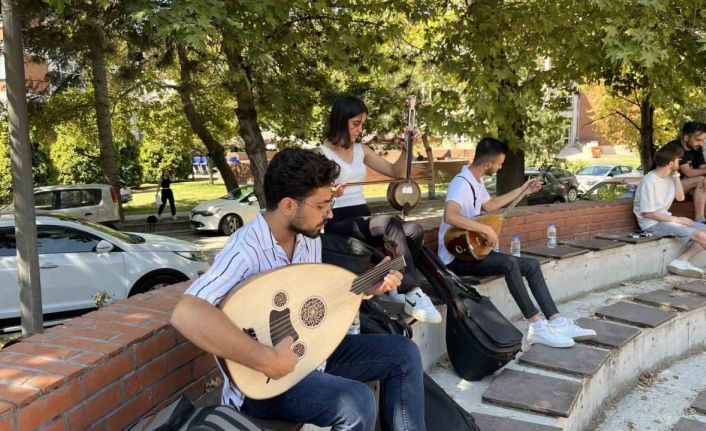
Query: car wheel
230	223
572	194
155	282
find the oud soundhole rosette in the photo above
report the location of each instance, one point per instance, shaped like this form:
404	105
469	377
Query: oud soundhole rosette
299	349
312	312
280	299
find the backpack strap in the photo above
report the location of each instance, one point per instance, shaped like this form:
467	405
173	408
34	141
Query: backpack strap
475	198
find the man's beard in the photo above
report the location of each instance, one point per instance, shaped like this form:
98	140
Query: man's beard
295	226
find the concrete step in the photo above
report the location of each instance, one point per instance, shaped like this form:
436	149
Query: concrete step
698	287
495	423
608	334
533	392
672	299
580	360
699	403
635	314
685	424
593	244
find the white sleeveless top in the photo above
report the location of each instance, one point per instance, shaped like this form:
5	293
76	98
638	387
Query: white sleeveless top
350	172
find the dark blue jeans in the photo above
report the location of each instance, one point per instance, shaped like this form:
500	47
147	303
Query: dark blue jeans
339	399
513	268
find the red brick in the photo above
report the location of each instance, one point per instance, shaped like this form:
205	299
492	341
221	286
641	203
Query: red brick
49	406
103	375
93	409
42	350
96	346
135	312
155	346
174	381
144	377
155	305
130	411
92	333
88	358
58	425
203	364
181	355
40	363
5	408
18	395
6	423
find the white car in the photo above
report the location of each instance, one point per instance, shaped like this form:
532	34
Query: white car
592	175
93	202
227	213
78	259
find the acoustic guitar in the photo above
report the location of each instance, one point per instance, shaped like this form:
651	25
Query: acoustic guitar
314	303
472	246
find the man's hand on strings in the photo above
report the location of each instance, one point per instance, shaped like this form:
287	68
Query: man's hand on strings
392	281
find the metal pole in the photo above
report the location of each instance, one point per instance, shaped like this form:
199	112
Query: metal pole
22	181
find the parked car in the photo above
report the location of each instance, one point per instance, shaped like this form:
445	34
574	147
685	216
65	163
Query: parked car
93	202
613	188
552	191
567	179
592	175
227	213
78	259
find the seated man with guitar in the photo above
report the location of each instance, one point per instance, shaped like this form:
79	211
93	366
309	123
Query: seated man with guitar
465	198
266	309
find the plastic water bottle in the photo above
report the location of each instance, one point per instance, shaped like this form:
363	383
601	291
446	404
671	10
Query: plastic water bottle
496	247
551	236
515	245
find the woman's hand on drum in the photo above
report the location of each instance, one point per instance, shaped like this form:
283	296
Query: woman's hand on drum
391	281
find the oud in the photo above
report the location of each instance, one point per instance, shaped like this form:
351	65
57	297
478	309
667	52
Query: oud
313	303
472	246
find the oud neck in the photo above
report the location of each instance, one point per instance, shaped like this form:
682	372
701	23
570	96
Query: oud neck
375	275
517	200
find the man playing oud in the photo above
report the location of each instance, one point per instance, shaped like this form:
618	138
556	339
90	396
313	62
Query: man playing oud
299	198
465	198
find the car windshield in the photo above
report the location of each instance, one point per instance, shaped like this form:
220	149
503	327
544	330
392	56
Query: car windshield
129	238
594	170
609	191
237	193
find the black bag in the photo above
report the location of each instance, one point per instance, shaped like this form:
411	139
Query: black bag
479	339
348	253
441	412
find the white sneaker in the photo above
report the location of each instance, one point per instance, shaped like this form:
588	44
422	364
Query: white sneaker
570	329
418	305
546	335
685	269
174	217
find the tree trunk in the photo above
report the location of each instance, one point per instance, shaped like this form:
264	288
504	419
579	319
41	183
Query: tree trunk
216	151
512	175
109	162
647	145
249	128
20	154
430	164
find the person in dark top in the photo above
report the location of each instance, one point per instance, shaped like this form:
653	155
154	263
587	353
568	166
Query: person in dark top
167	194
692	166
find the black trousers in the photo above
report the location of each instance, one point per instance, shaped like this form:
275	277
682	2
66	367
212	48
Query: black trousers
357	222
513	268
167	195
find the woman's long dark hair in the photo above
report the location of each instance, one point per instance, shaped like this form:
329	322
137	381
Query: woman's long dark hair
344	108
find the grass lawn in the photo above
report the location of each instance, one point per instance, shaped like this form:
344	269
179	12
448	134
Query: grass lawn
188	194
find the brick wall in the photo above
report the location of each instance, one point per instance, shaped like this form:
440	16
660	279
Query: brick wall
102	371
105	370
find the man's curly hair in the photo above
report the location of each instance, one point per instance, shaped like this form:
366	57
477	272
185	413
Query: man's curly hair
296	173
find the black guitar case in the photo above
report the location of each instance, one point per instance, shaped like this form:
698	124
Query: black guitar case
479	339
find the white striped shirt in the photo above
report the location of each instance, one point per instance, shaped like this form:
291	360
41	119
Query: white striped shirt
249	251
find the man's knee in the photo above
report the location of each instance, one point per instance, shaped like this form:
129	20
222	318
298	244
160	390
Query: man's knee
699	237
358	408
414	231
409	355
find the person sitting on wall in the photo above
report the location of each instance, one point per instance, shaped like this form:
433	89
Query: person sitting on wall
465	198
654	197
692	166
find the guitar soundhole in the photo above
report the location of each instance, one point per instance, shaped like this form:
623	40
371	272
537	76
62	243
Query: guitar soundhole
312	312
280	300
299	349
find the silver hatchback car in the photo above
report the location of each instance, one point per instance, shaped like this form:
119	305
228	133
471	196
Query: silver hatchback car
93	202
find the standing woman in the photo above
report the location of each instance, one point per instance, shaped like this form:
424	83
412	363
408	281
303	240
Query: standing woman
167	194
351	215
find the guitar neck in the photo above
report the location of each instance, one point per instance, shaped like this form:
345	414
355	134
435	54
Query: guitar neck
517	200
376	275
